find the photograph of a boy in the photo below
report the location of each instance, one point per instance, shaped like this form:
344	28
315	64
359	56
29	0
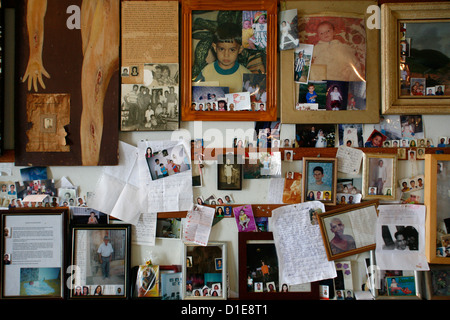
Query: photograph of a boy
320	176
226	70
288	30
343	56
302	62
313	92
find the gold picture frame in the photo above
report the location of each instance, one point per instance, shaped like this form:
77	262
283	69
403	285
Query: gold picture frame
395	63
435	197
372	187
288	90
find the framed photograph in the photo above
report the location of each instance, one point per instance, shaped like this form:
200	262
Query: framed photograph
437	225
101	254
340	230
205	271
37	272
229	172
246	29
409	84
437	281
379	176
259	271
337	77
393	284
319	180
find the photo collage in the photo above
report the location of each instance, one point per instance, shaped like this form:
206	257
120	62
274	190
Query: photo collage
329	64
154	104
229	75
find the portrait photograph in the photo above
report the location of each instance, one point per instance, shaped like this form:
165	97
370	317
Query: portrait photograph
319	180
379	176
292	191
102	254
341	231
302	62
313	93
242	32
339	46
229	172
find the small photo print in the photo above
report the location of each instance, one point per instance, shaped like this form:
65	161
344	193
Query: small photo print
417	86
440	90
254	29
337	94
288	31
351	135
302	62
314	92
255	85
167	162
431	91
204	94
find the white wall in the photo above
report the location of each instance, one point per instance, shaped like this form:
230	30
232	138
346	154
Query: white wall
253	192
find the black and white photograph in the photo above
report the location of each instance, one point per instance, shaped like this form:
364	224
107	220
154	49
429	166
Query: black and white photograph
154	104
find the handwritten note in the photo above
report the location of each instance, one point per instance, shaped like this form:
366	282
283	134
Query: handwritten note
198	225
298	241
349	159
144	232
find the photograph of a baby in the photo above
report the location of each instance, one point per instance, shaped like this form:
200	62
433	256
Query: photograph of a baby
339	47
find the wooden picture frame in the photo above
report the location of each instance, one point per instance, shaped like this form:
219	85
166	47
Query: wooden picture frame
30	277
437	170
371	184
204	271
289	90
229	171
264	244
395	63
380	278
337	224
324	171
203	27
432	290
95	277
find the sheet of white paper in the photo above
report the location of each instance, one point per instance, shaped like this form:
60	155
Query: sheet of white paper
64	183
301	254
400	238
275	192
6	168
144	232
172	193
117	192
349	159
198	225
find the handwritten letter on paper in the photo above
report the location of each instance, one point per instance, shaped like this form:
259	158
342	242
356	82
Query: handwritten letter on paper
298	241
198	225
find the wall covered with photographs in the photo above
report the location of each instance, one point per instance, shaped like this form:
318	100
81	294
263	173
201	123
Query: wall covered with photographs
228	171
